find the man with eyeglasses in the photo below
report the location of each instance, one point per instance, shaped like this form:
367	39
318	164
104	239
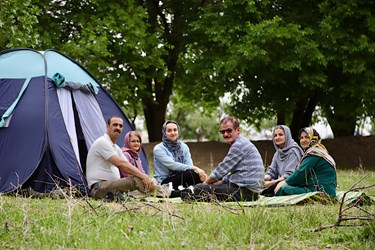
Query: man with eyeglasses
104	160
239	177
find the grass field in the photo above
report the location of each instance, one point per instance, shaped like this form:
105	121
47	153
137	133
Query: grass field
72	223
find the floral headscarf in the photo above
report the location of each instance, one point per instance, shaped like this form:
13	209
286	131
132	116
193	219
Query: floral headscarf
316	147
312	133
135	158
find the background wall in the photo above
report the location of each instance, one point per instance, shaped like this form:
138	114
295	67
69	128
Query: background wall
348	152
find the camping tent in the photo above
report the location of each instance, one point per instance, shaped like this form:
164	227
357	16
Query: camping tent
51	111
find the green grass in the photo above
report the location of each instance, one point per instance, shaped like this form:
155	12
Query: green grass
69	223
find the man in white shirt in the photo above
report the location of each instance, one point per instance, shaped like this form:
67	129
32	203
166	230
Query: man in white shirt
104	160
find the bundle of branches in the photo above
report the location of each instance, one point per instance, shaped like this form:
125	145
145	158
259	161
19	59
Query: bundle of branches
352	214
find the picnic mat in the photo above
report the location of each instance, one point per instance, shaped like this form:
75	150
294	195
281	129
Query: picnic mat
356	197
297	199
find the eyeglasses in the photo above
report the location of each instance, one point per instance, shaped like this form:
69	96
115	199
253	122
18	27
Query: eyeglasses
229	130
135	141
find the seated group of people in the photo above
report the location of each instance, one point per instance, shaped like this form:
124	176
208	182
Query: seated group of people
241	176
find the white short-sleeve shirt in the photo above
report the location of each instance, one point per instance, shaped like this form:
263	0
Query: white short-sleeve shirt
98	168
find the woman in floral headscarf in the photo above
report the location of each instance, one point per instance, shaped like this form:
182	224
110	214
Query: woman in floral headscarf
284	161
316	170
131	150
172	160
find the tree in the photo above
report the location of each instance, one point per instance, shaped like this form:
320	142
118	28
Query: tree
170	21
279	60
17	22
135	50
195	121
258	57
348	35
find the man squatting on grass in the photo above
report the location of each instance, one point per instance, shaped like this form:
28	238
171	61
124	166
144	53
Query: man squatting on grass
239	177
104	160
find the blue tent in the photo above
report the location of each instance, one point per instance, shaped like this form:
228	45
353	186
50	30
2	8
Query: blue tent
51	111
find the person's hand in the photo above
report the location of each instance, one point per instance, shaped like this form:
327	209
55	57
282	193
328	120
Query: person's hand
267	184
202	175
267	177
200	172
149	183
281	184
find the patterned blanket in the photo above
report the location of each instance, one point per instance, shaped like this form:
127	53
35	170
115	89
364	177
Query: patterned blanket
298	199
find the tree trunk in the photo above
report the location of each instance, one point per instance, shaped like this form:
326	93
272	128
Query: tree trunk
154	116
281	118
343	107
174	34
154	108
341	120
342	127
302	115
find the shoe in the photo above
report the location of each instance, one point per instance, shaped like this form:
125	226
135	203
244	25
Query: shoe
164	191
187	195
109	197
120	197
191	188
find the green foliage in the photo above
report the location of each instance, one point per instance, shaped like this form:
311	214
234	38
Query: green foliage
17	24
261	57
196	122
276	59
279	60
348	33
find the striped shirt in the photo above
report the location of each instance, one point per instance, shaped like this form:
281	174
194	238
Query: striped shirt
242	166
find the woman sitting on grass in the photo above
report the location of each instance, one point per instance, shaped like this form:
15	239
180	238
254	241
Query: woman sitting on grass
173	163
284	161
132	149
316	170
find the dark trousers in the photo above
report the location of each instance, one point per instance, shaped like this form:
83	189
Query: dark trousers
223	192
270	191
181	178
